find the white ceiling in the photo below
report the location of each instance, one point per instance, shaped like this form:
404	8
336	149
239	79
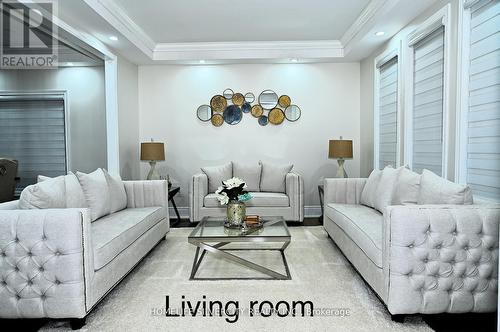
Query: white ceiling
181	21
237	31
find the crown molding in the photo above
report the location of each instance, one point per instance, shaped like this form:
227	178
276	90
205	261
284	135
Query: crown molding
323	49
248	50
368	15
119	19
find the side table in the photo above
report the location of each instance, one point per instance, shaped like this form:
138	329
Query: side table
172	191
321	192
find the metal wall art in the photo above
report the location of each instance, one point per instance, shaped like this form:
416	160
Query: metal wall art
229	108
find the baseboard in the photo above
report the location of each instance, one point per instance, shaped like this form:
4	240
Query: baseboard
183	211
311	211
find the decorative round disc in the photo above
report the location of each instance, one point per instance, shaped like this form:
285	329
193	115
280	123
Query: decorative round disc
249	97
257	111
284	101
292	113
218	103
276	116
263	120
228	94
246	108
217	120
238	99
204	113
232	114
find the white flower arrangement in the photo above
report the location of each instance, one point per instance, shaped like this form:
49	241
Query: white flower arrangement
232	189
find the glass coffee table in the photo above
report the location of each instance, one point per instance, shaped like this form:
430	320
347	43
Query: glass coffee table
210	236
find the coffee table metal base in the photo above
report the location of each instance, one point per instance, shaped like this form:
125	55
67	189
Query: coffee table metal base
214	249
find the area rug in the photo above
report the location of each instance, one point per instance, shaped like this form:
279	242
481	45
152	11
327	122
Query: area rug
322	280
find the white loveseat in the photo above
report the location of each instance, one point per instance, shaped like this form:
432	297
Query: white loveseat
431	258
58	263
275	190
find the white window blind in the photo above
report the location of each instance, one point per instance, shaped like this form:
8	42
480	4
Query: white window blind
32	131
428	84
387	113
483	116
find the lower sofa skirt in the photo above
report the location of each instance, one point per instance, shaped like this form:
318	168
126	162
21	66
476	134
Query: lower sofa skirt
108	276
372	274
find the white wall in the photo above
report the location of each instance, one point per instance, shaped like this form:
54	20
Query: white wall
367	77
128	119
328	95
87	110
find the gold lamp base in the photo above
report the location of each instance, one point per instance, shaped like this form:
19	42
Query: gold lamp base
341	173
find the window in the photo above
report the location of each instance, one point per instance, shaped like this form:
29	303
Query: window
33	131
427	96
386	112
480	144
427	109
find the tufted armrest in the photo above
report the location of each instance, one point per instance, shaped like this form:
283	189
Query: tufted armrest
441	258
46	263
294	185
146	193
346	191
198	189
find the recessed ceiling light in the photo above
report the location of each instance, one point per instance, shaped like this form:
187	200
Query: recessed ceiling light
202	61
379	33
113	38
294	60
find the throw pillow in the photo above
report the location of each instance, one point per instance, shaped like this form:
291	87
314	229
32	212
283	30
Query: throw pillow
385	188
368	193
217	174
117	194
273	177
74	193
96	190
407	188
436	190
249	174
49	194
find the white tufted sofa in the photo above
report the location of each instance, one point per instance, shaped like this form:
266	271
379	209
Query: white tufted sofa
419	258
56	263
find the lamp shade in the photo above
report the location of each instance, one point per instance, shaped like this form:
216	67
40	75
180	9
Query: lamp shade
340	148
152	151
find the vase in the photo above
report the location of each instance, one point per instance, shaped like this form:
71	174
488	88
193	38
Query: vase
236	213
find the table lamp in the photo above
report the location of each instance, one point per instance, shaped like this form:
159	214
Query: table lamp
340	149
152	152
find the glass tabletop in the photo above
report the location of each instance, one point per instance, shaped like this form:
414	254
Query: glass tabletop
214	227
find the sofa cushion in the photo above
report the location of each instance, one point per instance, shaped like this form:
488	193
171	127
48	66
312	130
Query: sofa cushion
114	233
96	191
362	224
117	194
437	190
250	174
217	174
49	194
385	188
368	193
407	188
273	177
259	199
74	193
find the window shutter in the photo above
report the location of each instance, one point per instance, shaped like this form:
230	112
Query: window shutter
483	117
32	131
428	84
387	113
